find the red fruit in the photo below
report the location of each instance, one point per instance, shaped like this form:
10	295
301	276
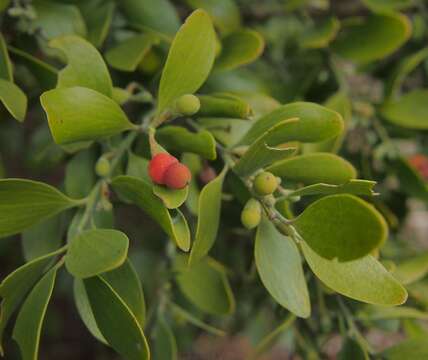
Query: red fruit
158	166
420	163
177	176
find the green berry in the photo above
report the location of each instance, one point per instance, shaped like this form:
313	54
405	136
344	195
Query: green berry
187	104
265	183
251	214
102	167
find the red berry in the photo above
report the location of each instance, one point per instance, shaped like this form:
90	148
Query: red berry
177	176
158	166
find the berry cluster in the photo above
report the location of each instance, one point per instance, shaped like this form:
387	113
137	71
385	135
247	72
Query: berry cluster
165	169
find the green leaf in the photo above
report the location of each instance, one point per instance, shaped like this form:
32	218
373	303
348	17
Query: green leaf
280	268
56	19
374	313
411	181
342	226
171	198
239	48
27	202
140	192
42	238
388	5
158	15
79	174
4	4
81	114
6	70
372	38
137	167
96	251
227	131
352	350
407	65
354	186
205	285
177	138
412	269
413	348
115	320
85	65
128	54
364	279
316	123
320	35
165	344
264	152
209	208
315	168
17	284
409	111
28	325
225	13
98	15
195	41
13	99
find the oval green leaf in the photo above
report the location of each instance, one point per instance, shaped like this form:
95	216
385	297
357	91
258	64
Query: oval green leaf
85	65
239	48
115	320
364	279
209	207
27	202
280	268
6	70
316	123
342	226
82	114
409	111
195	41
320	35
315	168
171	198
96	251
140	192
413	269
372	38
354	186
13	99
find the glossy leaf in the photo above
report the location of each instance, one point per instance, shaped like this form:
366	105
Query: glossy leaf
265	150
177	138
25	203
342	226
17	284
412	269
81	114
315	168
364	279
239	48
316	123
51	13
140	192
195	41
225	13
115	320
96	251
127	55
320	35
409	111
85	65
209	208
354	186
158	15
6	70
413	348
13	99
171	198
42	238
280	268
28	325
206	286
372	38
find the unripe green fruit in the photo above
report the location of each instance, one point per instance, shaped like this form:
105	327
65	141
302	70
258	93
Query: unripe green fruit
252	214
265	183
187	104
102	167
